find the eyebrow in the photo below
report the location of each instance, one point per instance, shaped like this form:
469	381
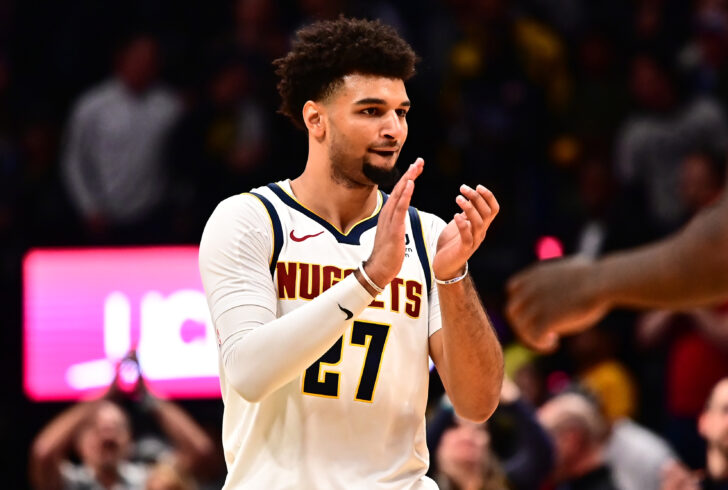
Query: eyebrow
375	101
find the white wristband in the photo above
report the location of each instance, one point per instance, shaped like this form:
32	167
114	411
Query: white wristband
369	281
454	279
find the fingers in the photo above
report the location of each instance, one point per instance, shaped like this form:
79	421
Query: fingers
465	228
412	172
473	216
480	207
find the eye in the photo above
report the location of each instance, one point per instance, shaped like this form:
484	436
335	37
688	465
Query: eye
402	112
370	111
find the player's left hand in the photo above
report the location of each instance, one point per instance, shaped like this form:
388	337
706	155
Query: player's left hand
464	234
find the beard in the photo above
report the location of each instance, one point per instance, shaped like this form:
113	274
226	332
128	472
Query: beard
341	160
382	177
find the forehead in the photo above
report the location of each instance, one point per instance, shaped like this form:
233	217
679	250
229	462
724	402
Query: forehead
355	87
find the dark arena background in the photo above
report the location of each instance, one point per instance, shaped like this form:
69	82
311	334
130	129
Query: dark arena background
599	125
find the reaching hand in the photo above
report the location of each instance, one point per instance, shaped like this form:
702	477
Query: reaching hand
464	234
387	256
552	299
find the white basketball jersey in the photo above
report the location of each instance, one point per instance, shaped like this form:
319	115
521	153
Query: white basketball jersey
356	417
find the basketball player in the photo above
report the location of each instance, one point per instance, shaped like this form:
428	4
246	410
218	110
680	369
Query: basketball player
328	296
687	269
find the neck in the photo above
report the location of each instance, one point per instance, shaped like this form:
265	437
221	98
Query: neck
339	203
590	461
106	477
717	463
467	480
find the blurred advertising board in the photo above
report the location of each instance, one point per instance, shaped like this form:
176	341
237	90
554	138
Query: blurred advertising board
84	309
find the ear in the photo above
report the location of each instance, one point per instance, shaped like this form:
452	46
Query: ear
313	118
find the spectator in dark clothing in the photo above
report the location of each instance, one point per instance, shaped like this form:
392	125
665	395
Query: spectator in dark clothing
579	432
467	454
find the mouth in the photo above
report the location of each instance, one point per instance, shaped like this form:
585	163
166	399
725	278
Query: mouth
384	153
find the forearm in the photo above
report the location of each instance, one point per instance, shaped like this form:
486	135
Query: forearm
687	269
52	444
57	436
192	444
272	355
472	357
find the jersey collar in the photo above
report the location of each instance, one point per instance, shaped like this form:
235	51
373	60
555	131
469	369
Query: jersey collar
352	237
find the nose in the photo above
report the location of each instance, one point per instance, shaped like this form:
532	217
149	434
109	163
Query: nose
393	127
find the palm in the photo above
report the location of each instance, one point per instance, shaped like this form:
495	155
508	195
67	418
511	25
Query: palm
465	232
450	247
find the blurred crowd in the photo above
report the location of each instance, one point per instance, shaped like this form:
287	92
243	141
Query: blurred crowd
600	124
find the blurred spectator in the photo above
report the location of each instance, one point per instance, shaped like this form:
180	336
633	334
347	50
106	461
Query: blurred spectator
521	365
637	456
696	341
603	374
165	476
257	31
219	147
608	221
100	432
652	144
705	56
465	455
713	424
579	432
113	157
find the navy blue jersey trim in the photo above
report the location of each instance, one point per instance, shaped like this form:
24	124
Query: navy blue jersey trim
277	231
419	238
351	238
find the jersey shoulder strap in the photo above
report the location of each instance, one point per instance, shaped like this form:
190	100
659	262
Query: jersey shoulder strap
418	236
275	222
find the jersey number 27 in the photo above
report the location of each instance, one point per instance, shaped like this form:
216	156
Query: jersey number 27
372	336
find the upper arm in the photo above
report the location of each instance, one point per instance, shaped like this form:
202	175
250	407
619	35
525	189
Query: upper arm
235	254
432	227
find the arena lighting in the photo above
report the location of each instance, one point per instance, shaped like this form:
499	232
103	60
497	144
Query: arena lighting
84	309
549	247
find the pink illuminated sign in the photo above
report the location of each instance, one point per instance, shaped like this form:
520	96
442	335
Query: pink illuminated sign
84	309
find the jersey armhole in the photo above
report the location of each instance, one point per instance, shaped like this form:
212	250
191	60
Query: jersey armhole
418	236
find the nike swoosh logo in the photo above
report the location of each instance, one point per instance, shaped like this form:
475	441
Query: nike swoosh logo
304	237
349	314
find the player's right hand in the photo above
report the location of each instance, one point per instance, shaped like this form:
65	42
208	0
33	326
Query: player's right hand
552	299
387	256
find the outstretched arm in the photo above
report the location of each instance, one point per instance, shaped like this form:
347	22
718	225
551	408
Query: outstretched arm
465	350
193	447
53	443
687	269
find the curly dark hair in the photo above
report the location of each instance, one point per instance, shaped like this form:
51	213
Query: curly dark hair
324	52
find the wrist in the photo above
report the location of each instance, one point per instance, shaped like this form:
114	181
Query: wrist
379	279
369	285
597	284
451	277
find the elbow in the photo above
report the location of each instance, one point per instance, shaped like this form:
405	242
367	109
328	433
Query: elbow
479	409
477	416
479	406
251	390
